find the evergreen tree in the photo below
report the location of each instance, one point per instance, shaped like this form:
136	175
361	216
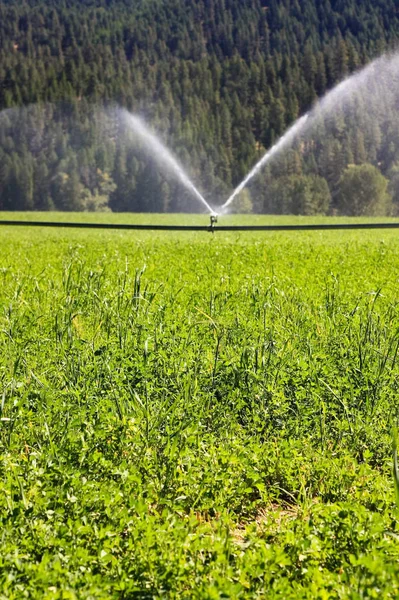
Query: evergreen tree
220	80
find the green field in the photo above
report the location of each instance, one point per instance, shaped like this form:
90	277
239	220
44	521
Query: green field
198	416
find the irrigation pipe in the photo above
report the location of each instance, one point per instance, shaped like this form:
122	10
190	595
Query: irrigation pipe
212	228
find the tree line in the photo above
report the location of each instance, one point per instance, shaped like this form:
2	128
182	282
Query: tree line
220	80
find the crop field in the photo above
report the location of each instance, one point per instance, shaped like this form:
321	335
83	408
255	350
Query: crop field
198	416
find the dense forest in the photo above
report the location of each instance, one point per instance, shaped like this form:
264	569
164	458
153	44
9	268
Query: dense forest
219	80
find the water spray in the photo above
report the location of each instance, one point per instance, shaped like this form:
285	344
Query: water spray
386	66
162	154
288	137
381	75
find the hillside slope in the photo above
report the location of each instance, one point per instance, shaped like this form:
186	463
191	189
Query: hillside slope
219	79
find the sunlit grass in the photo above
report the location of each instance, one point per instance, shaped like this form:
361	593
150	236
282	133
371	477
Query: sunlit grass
196	415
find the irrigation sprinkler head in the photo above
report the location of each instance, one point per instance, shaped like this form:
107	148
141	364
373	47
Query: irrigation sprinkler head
214	219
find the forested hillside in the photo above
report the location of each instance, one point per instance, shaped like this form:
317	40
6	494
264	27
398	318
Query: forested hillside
220	80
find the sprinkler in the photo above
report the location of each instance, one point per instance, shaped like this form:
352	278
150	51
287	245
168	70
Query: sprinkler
214	220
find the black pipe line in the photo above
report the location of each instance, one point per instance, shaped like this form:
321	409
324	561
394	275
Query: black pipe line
126	226
208	228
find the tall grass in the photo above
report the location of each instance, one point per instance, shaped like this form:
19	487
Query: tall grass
198	417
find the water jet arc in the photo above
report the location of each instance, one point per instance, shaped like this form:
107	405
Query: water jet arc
162	154
387	65
283	141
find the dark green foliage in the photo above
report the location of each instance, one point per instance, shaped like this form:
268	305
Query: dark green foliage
363	191
219	80
393	187
298	195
